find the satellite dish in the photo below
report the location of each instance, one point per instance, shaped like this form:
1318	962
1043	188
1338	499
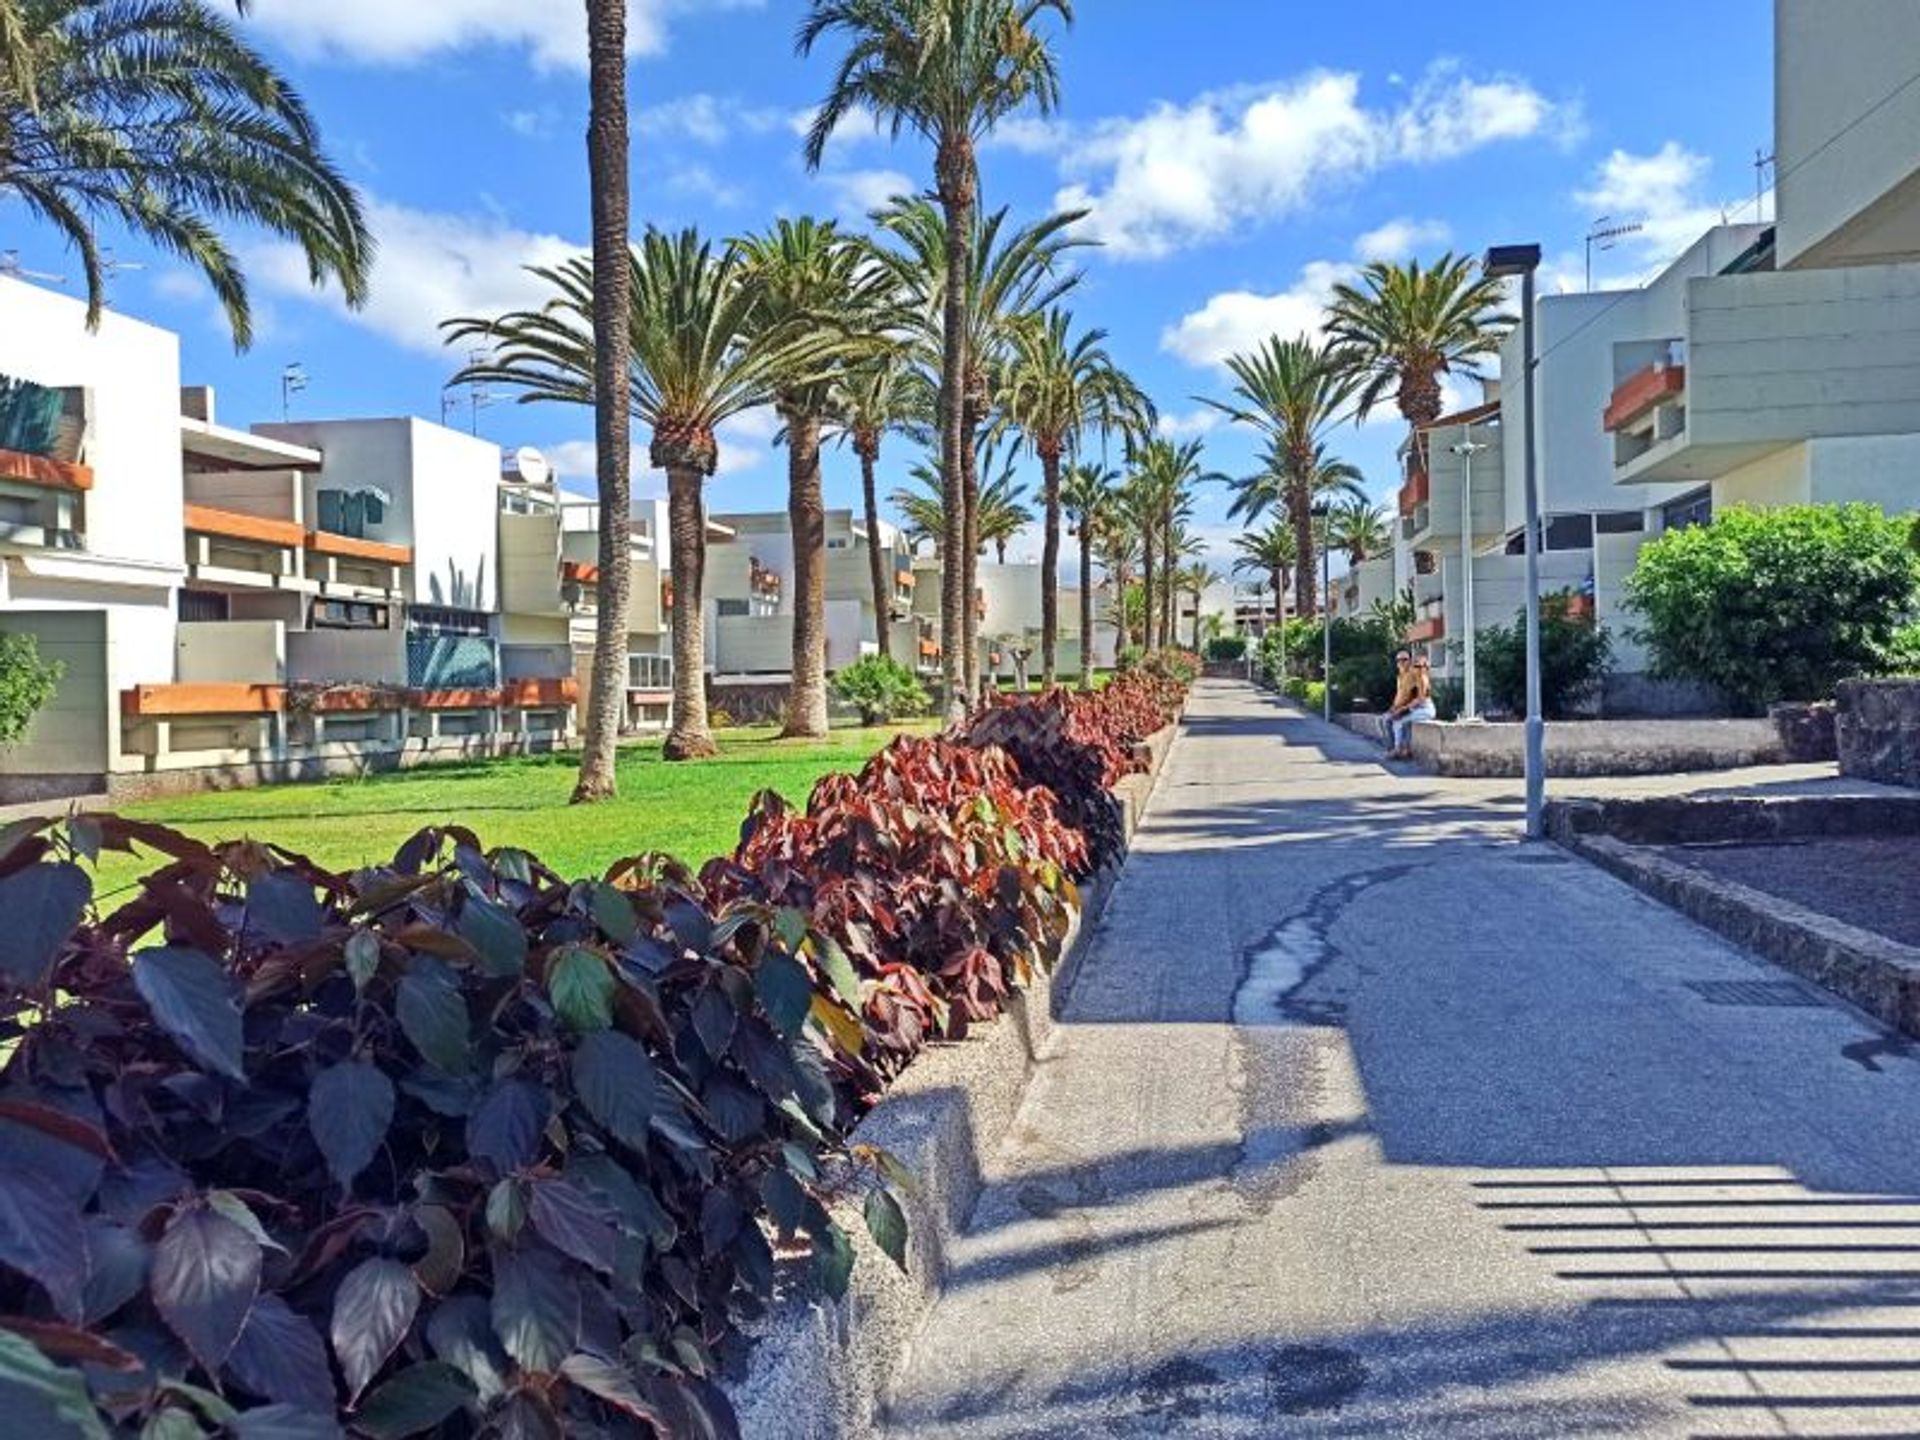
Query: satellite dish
531	466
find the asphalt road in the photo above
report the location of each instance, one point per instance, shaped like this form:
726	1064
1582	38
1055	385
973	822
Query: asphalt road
1368	1120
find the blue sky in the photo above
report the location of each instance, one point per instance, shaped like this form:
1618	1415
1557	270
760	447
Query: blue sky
1238	156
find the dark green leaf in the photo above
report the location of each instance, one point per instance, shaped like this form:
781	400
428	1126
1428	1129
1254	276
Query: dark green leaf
206	1274
737	1111
34	1149
838	969
363	957
172	1423
349	1109
117	1260
460	1331
417	1399
713	1020
43	904
507	1209
784	1198
505	1128
280	1356
581	987
282	907
572	1223
613	913
785	991
39	1398
285	1422
195	1003
225	1202
433	1013
495	935
791	926
612	1383
833	1260
887	1223
440	1269
372	1312
536	1307
41	1236
615	1081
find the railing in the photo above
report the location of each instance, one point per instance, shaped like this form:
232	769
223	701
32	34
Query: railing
1415	492
452	662
649	672
1643	391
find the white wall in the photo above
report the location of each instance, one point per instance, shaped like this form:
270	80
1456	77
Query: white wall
1845	122
371	657
247	652
73	734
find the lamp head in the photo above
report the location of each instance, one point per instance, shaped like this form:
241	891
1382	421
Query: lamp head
1506	260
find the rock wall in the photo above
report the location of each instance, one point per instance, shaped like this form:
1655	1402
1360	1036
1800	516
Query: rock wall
1877	730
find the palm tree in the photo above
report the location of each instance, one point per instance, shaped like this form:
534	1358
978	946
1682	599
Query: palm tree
1003	512
876	397
948	70
1088	497
1196	579
924	511
1359	529
698	360
156	115
1291	392
1016	273
1159	497
806	275
1268	553
1402	327
1055	388
1332	480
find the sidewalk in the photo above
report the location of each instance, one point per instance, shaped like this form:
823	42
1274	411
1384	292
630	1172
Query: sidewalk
1366	1120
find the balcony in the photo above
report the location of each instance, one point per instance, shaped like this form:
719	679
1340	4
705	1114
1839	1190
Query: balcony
1422	632
1416	492
233	548
1642	392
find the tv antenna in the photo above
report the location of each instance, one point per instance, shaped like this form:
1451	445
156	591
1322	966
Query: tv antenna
478	396
293	380
11	267
1604	234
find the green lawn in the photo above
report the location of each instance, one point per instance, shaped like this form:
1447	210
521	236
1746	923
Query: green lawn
689	810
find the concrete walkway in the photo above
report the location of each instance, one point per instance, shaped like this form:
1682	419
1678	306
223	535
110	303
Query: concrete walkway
1366	1120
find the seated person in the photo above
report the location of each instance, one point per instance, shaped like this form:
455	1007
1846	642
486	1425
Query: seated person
1412	702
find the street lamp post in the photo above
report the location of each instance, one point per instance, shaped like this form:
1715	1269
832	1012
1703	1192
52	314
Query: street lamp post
1326	617
1469	679
1523	260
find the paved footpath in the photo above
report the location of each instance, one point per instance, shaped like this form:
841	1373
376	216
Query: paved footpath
1366	1120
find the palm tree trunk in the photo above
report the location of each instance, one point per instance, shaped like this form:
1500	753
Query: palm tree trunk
690	739
1086	606
1305	586
876	563
953	166
1050	569
807	517
612	419
1169	583
970	584
1146	586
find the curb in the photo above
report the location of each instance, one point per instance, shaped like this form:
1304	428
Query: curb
1876	974
819	1370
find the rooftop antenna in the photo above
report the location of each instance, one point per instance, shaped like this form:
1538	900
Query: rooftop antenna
1762	162
478	396
11	267
293	380
1604	235
449	402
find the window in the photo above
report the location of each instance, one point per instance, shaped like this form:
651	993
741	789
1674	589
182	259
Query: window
731	609
351	512
348	615
445	620
202	605
1688	510
839	543
1569	532
1621	522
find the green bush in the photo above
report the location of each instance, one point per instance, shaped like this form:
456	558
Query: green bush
1180	666
1903	656
1129	658
27	683
1780	604
1224	649
881	690
1575	655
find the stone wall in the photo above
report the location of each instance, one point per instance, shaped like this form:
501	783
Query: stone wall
1599	747
1877	730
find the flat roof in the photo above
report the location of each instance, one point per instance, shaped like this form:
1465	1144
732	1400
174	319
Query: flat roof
242	450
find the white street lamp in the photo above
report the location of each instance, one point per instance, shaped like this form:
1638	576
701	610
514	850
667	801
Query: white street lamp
1469	682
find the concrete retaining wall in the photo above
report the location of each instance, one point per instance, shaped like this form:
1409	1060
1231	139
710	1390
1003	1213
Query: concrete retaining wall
819	1369
1599	747
1877	730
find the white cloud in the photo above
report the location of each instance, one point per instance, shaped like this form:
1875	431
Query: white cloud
1190	425
1238	320
1665	194
858	193
430	267
1181	175
386	33
1398	239
705	119
701	183
537	124
857	127
745	446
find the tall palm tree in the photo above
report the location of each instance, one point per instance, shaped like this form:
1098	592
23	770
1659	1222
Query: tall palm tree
1003	509
1055	388
924	510
1159	497
949	71
1087	495
1017	272
1292	393
877	397
698	361
1360	530
1195	580
1268	553
157	115
807	275
1402	327
1332	480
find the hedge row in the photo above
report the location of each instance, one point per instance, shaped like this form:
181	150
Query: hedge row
456	1146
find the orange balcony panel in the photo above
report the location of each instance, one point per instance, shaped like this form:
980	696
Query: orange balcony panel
159	702
1580	607
1641	391
46	473
1434	627
234	525
580	571
325	542
929	650
1415	492
529	694
905	579
352	699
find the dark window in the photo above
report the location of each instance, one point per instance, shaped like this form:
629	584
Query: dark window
1621	522
348	615
730	609
202	605
1688	511
1569	532
444	620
